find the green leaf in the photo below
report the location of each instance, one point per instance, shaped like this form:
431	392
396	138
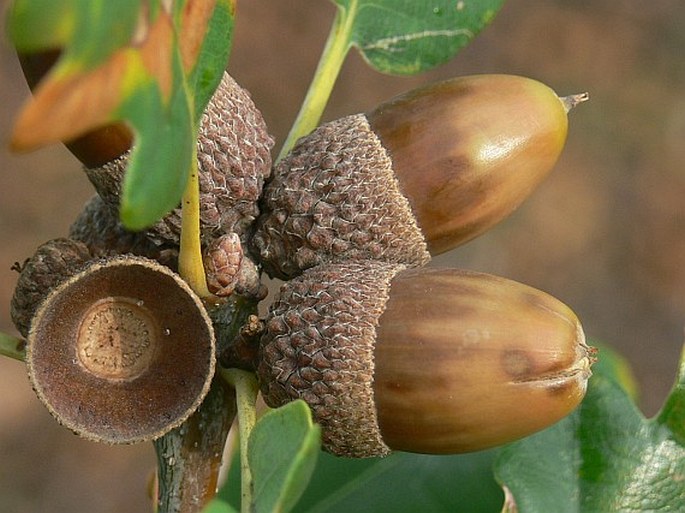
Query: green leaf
404	483
615	366
161	159
400	483
88	31
605	457
672	415
213	58
410	36
282	452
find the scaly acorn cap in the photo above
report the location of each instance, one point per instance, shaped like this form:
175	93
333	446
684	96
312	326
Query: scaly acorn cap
335	197
53	262
99	228
234	159
419	175
424	360
229	270
121	352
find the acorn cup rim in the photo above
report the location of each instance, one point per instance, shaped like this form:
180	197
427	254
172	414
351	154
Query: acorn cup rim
115	408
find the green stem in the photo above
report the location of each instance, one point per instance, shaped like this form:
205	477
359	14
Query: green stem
190	265
12	347
327	71
245	384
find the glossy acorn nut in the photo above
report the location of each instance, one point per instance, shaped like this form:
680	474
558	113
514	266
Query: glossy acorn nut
419	175
234	159
122	351
423	360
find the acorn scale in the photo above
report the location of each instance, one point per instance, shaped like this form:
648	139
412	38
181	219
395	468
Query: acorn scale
53	262
417	176
434	361
98	227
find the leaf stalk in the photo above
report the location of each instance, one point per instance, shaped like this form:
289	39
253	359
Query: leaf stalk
325	76
190	264
12	347
246	389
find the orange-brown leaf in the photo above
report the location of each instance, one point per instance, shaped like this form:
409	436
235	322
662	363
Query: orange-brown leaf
64	107
194	23
156	51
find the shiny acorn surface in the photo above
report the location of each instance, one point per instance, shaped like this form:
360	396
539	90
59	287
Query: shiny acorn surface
417	176
468	151
435	361
466	361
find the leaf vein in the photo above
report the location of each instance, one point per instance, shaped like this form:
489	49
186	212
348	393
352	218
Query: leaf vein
390	44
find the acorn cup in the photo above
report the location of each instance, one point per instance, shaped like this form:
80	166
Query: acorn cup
119	349
53	262
417	176
435	361
234	159
99	228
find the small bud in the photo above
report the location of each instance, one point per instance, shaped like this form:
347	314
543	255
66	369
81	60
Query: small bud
423	360
229	270
419	175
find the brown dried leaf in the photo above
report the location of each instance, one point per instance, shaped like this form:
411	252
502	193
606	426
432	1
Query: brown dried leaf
194	23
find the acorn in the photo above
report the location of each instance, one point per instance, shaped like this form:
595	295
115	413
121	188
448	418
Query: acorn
234	159
417	176
122	351
425	360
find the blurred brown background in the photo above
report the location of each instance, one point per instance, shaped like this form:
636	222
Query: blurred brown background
604	233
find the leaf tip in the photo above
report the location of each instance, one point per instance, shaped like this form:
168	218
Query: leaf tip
509	505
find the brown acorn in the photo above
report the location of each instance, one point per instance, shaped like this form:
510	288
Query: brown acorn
422	360
233	158
417	176
122	351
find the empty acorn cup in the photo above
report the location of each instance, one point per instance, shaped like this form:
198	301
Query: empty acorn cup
121	352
